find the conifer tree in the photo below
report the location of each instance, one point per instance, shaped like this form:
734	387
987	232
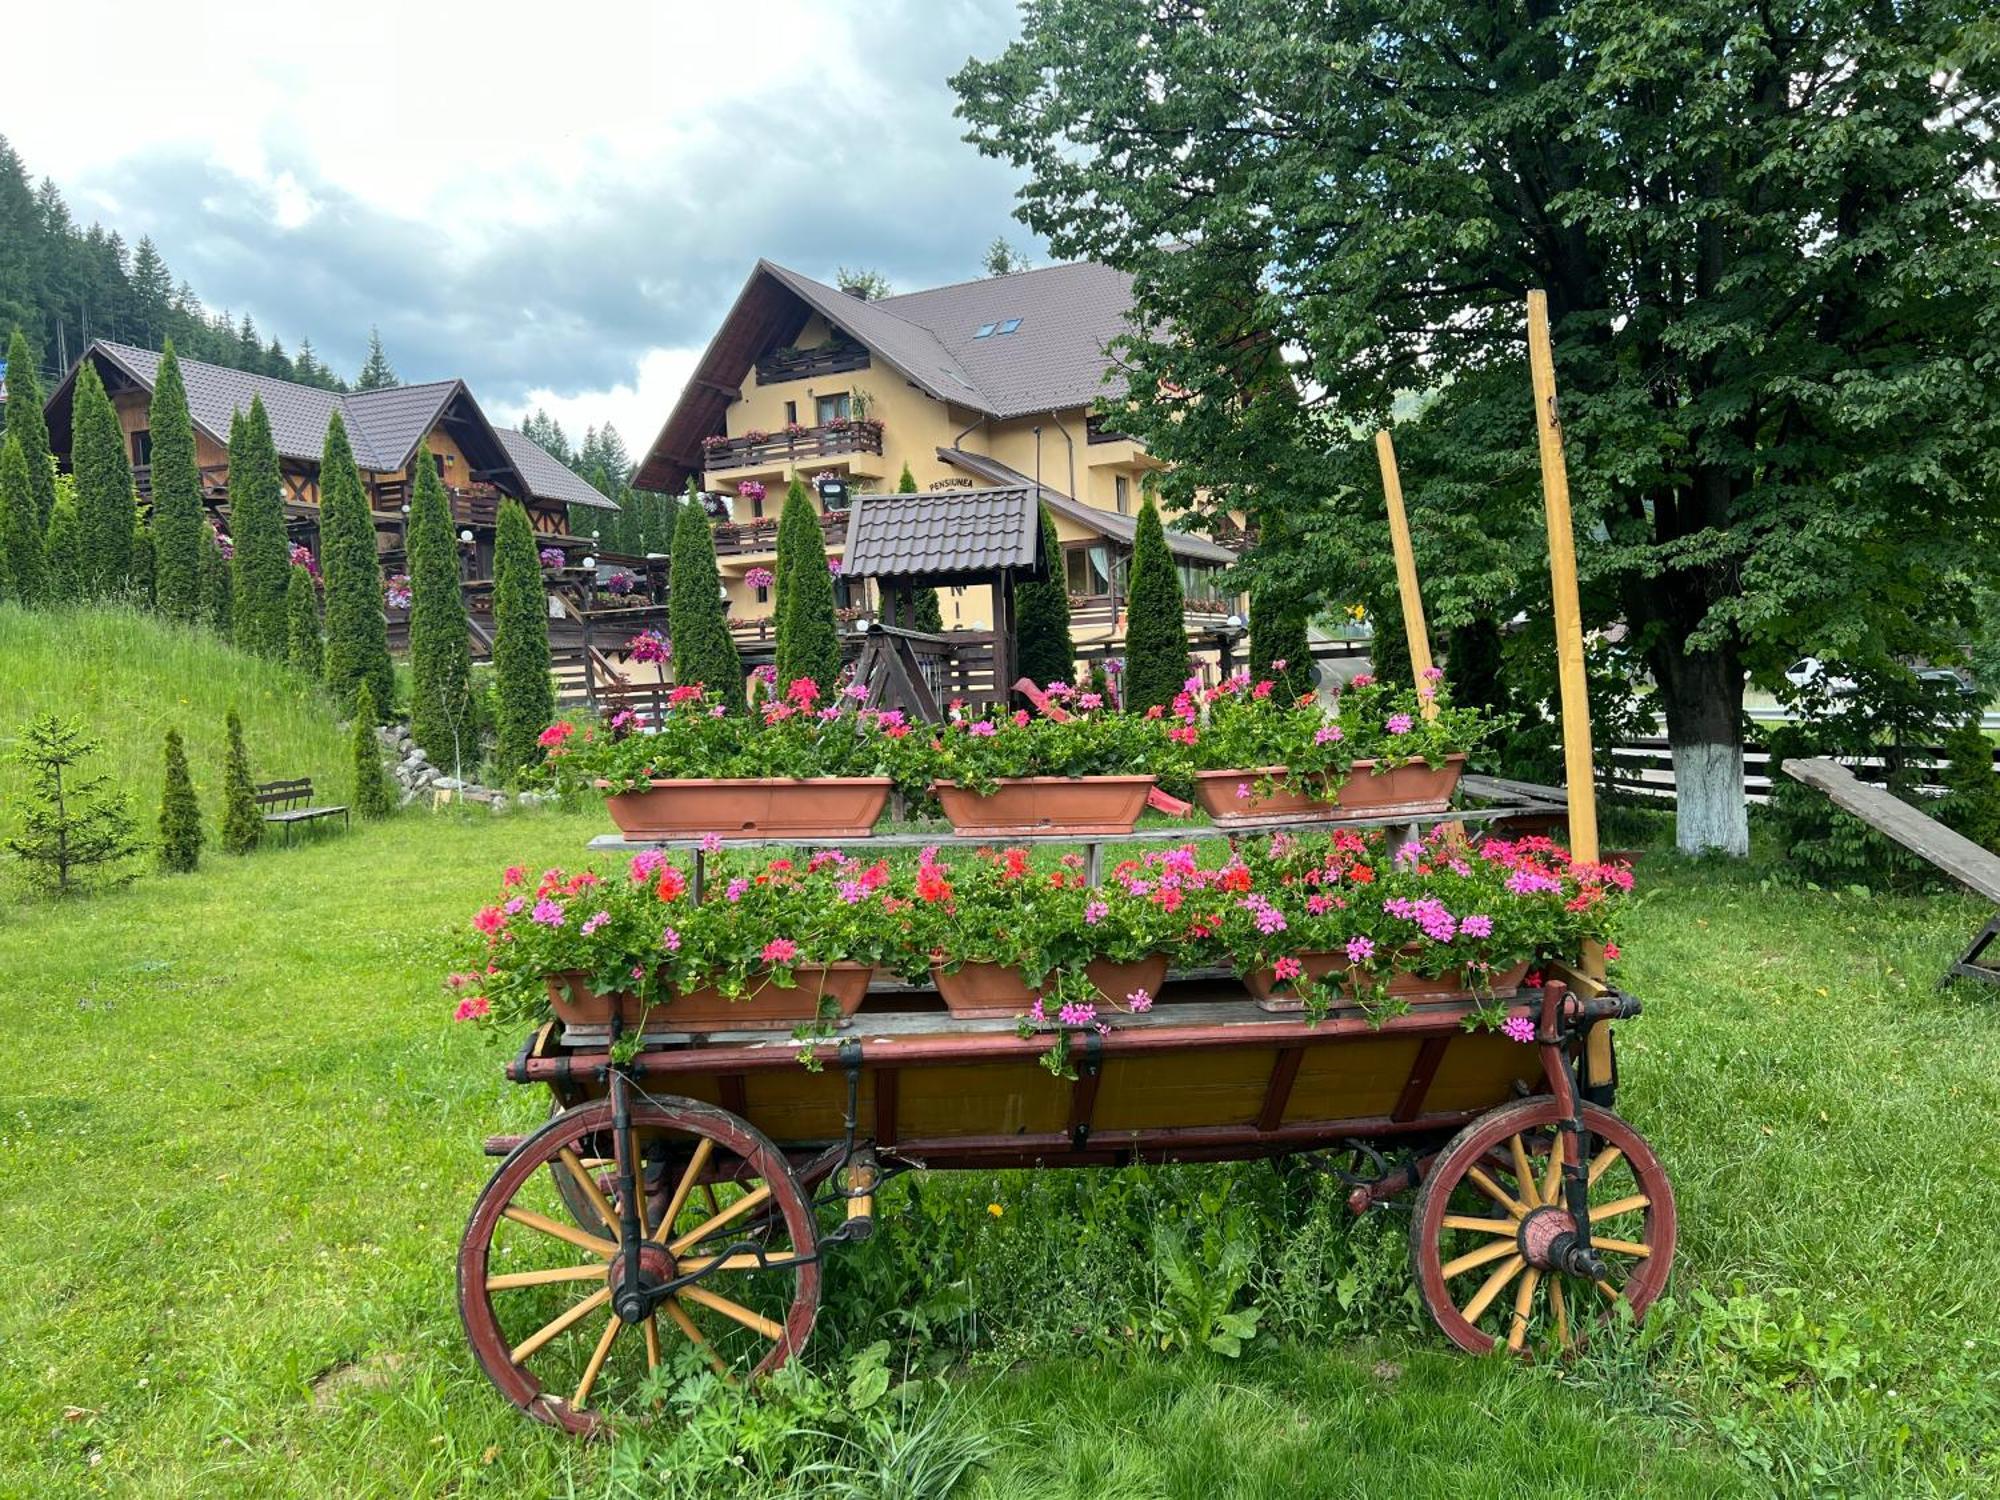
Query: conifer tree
525	699
142	566
20	534
218	605
704	651
70	826
357	632
929	612
305	652
372	798
808	639
180	814
1156	649
242	824
440	656
377	372
1041	617
106	513
259	568
1278	634
26	422
63	557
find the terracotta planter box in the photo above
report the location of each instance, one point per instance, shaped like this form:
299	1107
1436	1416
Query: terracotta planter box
986	991
752	807
1367	793
764	1006
1450	985
1047	804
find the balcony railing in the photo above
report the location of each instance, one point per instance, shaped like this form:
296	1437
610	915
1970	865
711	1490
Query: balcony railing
800	364
745	538
214	481
1096	431
802	445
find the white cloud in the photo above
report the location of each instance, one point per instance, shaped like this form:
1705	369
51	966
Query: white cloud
636	408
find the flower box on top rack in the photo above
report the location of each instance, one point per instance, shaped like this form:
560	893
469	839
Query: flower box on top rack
1271	794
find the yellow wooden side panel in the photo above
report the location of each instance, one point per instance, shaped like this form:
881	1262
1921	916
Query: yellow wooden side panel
1175	1088
1479	1070
1008	1098
791	1104
1349	1079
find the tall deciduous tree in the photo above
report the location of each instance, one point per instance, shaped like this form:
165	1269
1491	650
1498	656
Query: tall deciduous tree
440	655
1771	253
357	632
26	422
705	653
1156	648
1041	617
808	639
305	651
106	515
20	535
262	561
525	698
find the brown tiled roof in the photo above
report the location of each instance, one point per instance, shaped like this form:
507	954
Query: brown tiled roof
1108	523
944	534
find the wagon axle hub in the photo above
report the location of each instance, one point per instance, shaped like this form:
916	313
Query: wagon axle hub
656	1268
1548	1241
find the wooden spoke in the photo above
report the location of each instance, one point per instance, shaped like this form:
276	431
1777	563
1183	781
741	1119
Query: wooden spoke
695	1336
702	1151
597	1358
694	1263
1524	1175
1553	1182
734	1311
1498	1194
1619	1206
1479	1225
1621	1247
707	1227
564	1320
1484	1255
652	1344
590	1188
543	1278
1559	1306
1603	1162
1609	1290
708	1192
576	1237
1495	1285
1524	1301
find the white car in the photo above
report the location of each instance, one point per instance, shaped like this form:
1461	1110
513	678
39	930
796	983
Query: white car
1810	671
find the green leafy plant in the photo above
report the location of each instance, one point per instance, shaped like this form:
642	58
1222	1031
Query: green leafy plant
976	750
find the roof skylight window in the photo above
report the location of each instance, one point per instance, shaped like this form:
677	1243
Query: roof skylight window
985	330
1009	326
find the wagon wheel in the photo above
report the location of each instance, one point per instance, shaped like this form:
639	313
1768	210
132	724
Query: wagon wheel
535	1291
1487	1222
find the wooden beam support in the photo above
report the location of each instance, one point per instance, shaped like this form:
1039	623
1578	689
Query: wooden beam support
1423	1068
1408	594
1278	1092
885	1107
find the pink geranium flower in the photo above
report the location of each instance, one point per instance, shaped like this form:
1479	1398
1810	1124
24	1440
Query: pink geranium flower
780	951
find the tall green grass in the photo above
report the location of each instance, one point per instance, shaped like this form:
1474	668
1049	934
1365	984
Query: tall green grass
131	676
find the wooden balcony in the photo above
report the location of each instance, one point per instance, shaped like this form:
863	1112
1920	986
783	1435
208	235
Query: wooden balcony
757	450
802	364
214	481
749	538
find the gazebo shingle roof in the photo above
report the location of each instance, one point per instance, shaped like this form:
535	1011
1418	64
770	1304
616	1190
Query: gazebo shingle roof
944	534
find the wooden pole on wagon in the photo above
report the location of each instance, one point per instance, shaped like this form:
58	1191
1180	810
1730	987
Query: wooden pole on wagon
1414	628
1579	766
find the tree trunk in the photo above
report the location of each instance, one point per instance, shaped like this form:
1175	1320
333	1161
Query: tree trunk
1702	693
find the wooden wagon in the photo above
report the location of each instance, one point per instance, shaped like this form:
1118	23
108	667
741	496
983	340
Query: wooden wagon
684	1203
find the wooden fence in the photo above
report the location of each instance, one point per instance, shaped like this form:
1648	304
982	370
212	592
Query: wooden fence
1645	768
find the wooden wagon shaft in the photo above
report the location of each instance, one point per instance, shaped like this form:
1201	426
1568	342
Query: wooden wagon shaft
1407	592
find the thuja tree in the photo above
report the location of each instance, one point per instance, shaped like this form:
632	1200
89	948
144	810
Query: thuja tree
26	422
524	694
65	570
808	640
180	531
440	654
106	514
1156	648
73	832
181	835
304	650
357	633
218	593
1041	617
1771	283
262	557
704	651
142	565
372	797
20	534
242	823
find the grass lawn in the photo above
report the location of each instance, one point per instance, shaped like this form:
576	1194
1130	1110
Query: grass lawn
241	1139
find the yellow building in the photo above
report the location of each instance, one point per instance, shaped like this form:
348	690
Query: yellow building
983	384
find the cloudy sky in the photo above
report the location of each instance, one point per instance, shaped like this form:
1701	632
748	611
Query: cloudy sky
556	202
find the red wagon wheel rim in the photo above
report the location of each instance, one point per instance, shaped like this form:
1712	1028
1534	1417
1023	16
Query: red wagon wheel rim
534	1289
1488	1202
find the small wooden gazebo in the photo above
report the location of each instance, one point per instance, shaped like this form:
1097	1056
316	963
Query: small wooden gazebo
943	539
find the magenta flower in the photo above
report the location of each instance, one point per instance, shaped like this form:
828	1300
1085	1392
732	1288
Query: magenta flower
1288	968
1518	1029
547	913
1095	912
1327	734
736	889
645	863
1242	791
711	843
780	951
1139	1001
1036	1013
1477	926
1399	723
670	940
1076	1013
1433	674
594	921
1360	950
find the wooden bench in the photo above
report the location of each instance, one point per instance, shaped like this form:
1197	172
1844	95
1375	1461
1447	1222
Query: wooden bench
289	803
1972	866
